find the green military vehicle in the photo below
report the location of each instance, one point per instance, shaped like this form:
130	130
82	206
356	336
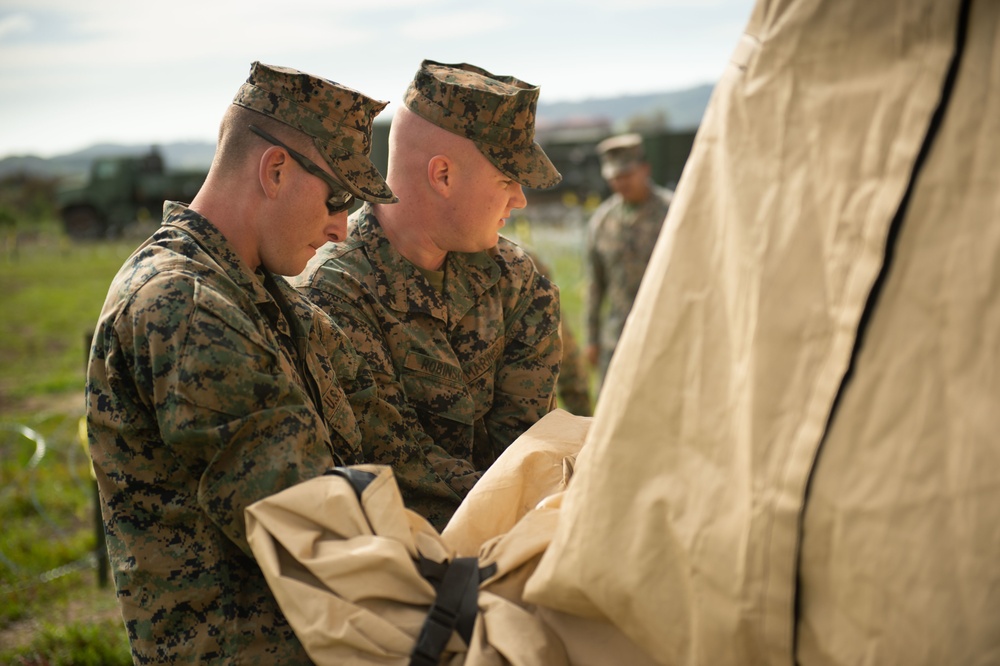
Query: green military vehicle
119	191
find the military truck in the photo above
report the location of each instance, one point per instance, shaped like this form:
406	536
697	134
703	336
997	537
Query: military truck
118	191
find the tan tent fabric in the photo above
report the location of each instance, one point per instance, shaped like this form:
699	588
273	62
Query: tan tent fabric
759	518
316	532
344	570
537	465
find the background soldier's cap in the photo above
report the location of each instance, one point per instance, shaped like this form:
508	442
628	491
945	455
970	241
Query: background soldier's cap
338	119
620	154
496	112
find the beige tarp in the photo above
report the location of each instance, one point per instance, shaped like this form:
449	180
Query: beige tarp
795	457
345	567
763	519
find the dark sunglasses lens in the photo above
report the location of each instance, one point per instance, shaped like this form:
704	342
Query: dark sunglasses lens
336	204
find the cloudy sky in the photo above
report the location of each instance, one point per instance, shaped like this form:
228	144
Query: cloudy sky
78	72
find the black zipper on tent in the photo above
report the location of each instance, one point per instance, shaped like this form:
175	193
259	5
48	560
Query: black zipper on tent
877	287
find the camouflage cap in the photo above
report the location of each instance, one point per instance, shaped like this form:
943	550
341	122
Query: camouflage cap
620	154
338	119
496	112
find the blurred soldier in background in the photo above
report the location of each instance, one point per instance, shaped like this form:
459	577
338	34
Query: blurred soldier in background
460	329
213	383
620	240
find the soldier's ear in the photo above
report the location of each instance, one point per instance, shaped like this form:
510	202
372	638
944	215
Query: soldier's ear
271	170
439	174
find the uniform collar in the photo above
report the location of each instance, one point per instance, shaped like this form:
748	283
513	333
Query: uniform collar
215	245
402	287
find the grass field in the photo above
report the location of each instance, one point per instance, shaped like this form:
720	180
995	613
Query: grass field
52	610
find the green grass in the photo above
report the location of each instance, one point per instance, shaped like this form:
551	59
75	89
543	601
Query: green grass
557	235
75	644
51	608
51	292
559	244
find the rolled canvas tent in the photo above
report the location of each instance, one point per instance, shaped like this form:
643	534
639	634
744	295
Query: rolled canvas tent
363	580
794	458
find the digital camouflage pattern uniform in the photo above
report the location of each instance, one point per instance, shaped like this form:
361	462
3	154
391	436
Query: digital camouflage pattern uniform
470	368
196	409
620	240
475	365
204	396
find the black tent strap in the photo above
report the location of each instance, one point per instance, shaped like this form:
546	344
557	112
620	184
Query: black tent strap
454	608
358	479
457	584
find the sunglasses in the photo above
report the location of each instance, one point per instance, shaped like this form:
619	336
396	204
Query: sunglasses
340	199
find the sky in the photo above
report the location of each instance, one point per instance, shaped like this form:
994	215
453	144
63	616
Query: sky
74	73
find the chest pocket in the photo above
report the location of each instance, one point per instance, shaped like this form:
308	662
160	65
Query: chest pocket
335	364
437	388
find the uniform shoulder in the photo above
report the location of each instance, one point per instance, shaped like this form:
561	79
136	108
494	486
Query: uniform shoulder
148	270
180	286
347	259
514	259
604	209
521	279
170	272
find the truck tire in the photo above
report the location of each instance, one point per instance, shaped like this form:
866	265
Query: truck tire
83	223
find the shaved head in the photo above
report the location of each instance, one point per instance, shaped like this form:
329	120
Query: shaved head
413	141
237	143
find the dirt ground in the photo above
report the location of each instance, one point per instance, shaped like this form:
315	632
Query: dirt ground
88	604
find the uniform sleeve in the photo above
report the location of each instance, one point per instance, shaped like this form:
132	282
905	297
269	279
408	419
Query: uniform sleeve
228	412
432	481
526	376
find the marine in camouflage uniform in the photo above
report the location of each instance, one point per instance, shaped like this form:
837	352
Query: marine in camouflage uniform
462	331
213	383
620	238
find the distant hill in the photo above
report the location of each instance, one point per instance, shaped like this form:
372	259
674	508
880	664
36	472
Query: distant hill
180	155
676	110
679	109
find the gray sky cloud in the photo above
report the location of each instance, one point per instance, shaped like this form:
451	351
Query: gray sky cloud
16	23
76	73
